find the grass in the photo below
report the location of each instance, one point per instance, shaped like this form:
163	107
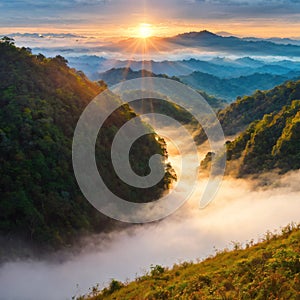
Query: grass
269	269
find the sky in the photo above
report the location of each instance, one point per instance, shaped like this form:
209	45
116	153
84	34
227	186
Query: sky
111	18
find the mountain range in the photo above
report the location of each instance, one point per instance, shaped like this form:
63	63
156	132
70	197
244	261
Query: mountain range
227	89
217	66
272	138
231	88
207	41
286	41
203	41
229	44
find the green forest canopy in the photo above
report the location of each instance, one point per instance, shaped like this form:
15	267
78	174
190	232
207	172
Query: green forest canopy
41	100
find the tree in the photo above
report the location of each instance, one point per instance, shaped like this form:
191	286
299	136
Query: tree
7	40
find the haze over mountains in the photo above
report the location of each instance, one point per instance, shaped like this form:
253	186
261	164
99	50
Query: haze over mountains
226	89
41	100
209	42
226	67
218	66
189	44
231	88
286	41
230	44
220	77
221	97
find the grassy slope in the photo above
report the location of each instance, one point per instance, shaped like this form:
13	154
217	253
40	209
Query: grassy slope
267	270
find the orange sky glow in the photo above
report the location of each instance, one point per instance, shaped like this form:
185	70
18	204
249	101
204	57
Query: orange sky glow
249	28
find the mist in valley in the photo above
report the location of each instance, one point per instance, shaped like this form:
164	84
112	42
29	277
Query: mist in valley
241	211
102	43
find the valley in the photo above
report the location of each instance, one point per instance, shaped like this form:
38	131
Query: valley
55	244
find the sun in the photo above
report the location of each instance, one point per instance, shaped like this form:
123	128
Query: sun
145	30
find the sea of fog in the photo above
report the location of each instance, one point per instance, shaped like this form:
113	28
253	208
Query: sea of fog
240	212
80	45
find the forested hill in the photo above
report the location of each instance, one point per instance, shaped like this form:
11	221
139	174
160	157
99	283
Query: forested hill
271	143
41	100
117	75
270	137
247	109
230	88
267	270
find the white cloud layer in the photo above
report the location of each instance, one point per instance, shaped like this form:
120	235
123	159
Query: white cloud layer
240	212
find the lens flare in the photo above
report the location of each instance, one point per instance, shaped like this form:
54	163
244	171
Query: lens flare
145	30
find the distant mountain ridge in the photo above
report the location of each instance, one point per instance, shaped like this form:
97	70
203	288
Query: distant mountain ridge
225	89
211	42
205	38
231	44
118	75
285	41
230	88
218	66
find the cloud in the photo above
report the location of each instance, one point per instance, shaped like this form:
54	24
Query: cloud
241	211
240	8
92	2
89	10
47	3
253	2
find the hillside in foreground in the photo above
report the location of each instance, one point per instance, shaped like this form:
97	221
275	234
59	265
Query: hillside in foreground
267	270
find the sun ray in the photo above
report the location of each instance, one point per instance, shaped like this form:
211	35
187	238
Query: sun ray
145	30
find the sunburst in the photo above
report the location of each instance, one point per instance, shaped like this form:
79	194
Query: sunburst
145	30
